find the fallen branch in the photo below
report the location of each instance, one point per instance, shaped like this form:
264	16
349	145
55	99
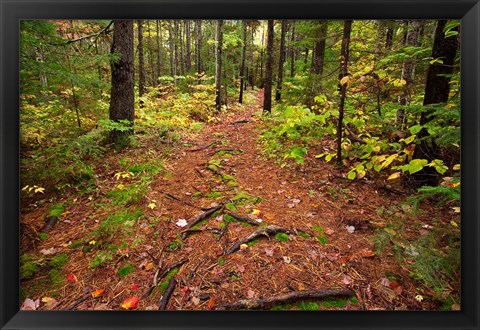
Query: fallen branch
354	136
201	217
270	230
267	303
193	231
211	168
166	296
205	147
241	218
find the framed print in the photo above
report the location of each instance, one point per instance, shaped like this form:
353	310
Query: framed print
239	164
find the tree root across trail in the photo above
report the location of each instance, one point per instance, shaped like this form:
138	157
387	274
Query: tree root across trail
268	303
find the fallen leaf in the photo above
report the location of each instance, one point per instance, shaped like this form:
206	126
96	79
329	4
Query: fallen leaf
398	290
240	268
367	253
385	282
250	294
195	301
419	298
149	266
329	231
51	304
29	304
287	259
456	209
181	222
455	307
332	256
243	247
255	212
92	242
350	229
47	299
130	303
98	293
72	278
49	251
152	205
347	280
269	252
454	224
135	286
211	302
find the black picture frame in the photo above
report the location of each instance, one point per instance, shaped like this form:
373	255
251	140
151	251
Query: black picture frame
12	11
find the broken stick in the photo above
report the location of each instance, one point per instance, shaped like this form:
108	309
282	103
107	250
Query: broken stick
166	296
267	303
241	218
201	217
270	230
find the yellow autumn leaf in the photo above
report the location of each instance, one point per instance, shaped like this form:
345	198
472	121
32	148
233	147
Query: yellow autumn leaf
39	189
152	205
92	242
456	167
255	212
344	80
361	174
46	299
453	223
90	198
394	176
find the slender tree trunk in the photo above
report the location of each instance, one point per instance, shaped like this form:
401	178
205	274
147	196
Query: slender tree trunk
262	52
347	29
72	84
278	94
292	51
199	47
267	93
173	71
188	46
408	72
218	66
141	67
242	67
181	34
252	64
389	36
122	92
153	78
176	33
159	51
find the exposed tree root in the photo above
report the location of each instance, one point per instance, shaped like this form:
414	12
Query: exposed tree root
211	230
201	217
205	147
227	151
267	303
241	218
156	278
270	230
166	296
242	121
51	221
178	199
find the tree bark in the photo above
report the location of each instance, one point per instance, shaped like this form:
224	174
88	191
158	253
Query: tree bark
122	92
141	66
188	59
218	66
319	50
267	95
242	67
199	47
278	94
292	51
159	52
347	29
173	71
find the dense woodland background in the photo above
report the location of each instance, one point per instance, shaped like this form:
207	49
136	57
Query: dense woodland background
379	101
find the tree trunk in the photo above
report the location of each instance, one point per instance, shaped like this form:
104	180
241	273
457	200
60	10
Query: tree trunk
389	36
218	66
408	72
347	29
188	59
159	52
153	78
176	40
278	94
242	67
122	92
318	59
292	51
437	90
141	67
267	93
173	71
199	47
181	33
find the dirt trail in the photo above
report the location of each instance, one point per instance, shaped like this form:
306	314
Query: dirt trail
223	166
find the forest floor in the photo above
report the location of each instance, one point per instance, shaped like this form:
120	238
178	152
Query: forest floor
322	232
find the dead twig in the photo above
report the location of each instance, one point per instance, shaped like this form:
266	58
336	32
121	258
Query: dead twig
267	303
270	230
242	121
166	296
178	199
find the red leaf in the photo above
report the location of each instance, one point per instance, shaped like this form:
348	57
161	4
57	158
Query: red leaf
72	278
211	302
98	293
130	303
135	286
367	253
